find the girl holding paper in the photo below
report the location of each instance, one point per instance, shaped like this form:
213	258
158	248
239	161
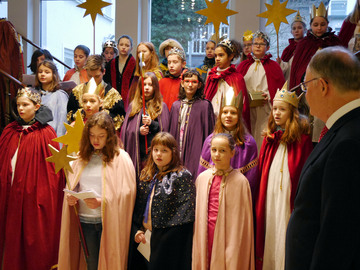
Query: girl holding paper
165	205
108	170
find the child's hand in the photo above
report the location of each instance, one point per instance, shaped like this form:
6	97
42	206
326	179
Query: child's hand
93	203
71	199
144	130
140	237
278	60
146	120
266	98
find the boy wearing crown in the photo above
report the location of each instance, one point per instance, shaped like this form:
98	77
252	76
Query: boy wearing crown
108	97
246	44
263	77
319	36
284	150
170	84
31	193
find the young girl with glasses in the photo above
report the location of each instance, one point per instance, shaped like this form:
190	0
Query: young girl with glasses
191	119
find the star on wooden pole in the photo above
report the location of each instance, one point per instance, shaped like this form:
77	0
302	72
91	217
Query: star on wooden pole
93	7
216	13
73	135
276	14
60	159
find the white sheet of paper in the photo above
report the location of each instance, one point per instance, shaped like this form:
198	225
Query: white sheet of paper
84	194
144	249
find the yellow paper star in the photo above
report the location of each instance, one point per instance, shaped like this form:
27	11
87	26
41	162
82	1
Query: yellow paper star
216	13
60	158
73	136
93	7
276	14
201	72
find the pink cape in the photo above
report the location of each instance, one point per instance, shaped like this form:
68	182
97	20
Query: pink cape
233	246
118	199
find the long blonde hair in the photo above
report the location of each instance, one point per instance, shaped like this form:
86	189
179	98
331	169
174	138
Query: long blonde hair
153	105
153	61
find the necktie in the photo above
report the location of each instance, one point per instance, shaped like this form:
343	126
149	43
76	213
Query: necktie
323	132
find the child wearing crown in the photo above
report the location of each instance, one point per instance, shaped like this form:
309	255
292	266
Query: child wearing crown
30	190
109	50
263	77
119	71
319	36
224	77
108	98
170	85
246	44
298	29
285	148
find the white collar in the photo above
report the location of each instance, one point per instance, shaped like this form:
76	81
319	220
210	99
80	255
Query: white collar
342	111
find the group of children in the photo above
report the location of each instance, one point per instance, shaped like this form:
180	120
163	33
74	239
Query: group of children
236	137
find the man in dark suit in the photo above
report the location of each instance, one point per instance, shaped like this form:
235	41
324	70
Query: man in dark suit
324	228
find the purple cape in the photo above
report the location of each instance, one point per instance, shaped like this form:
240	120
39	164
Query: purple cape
245	159
130	133
199	125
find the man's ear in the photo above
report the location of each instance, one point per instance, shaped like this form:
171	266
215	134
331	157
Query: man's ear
324	86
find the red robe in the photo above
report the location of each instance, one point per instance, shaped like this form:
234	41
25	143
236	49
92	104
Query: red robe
288	52
346	32
30	208
298	153
169	88
305	50
233	78
274	75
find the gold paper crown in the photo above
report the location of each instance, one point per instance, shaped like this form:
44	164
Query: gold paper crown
286	96
178	52
30	93
321	11
298	18
231	99
227	43
248	35
92	88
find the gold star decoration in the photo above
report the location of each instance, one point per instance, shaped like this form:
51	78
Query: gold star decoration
276	14
216	13
93	7
201	72
73	135
60	158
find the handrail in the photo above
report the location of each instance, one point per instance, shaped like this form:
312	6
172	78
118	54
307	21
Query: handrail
36	46
12	78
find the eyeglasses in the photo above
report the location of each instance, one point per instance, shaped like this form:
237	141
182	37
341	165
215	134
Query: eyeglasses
191	81
303	86
259	44
247	45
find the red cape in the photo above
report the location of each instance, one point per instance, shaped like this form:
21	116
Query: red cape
233	78
305	50
274	75
346	32
30	208
298	152
288	52
169	88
